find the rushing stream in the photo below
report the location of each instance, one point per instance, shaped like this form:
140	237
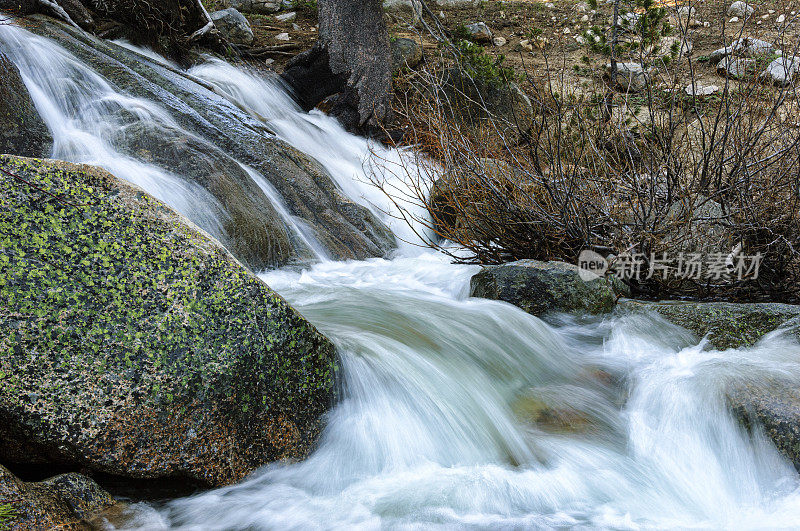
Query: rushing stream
442	418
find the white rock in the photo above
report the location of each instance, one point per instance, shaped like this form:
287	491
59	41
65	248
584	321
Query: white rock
585	18
550	5
780	19
701	90
771	11
734	19
631	77
499	41
740	9
567	31
580	40
764	17
782	70
282	36
286	17
295	27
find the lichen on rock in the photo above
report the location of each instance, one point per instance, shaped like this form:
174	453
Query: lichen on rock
134	344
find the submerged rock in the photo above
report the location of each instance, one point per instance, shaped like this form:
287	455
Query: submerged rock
22	131
775	406
69	501
132	343
541	287
727	324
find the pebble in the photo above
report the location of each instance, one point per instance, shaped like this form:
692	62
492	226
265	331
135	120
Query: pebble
499	41
780	19
585	18
734	19
282	36
286	17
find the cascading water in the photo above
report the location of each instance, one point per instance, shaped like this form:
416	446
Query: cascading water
433	427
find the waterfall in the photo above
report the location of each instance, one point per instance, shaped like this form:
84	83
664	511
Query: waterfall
433	428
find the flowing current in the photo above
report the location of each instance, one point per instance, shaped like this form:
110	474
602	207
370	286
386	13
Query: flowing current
455	412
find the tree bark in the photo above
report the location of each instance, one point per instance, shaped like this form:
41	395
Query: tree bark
351	60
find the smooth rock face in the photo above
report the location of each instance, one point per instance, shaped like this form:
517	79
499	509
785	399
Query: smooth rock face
233	26
132	343
22	131
740	9
782	70
728	325
67	501
406	53
259	7
346	229
507	105
541	287
631	77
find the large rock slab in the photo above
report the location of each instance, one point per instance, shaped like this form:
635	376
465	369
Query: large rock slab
22	130
727	324
346	230
132	343
67	501
542	287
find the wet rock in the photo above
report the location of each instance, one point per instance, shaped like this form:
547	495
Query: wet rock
406	53
736	67
233	26
775	407
728	325
491	104
630	77
346	230
132	343
479	32
259	7
22	130
67	501
782	70
740	9
541	287
252	230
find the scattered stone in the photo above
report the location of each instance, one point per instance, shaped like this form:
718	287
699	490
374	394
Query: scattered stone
22	130
734	20
701	90
258	7
749	47
162	331
780	19
567	31
499	41
479	32
782	70
740	9
286	17
580	39
631	77
405	53
550	5
282	37
542	287
585	18
736	67
233	26
295	27
717	55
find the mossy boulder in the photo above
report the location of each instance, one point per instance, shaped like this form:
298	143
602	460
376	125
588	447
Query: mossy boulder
134	344
22	131
542	287
727	324
68	501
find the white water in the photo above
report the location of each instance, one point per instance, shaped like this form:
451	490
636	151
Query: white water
426	434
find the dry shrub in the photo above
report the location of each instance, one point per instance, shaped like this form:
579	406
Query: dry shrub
656	172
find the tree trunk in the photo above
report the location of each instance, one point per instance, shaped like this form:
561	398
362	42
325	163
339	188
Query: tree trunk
351	60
